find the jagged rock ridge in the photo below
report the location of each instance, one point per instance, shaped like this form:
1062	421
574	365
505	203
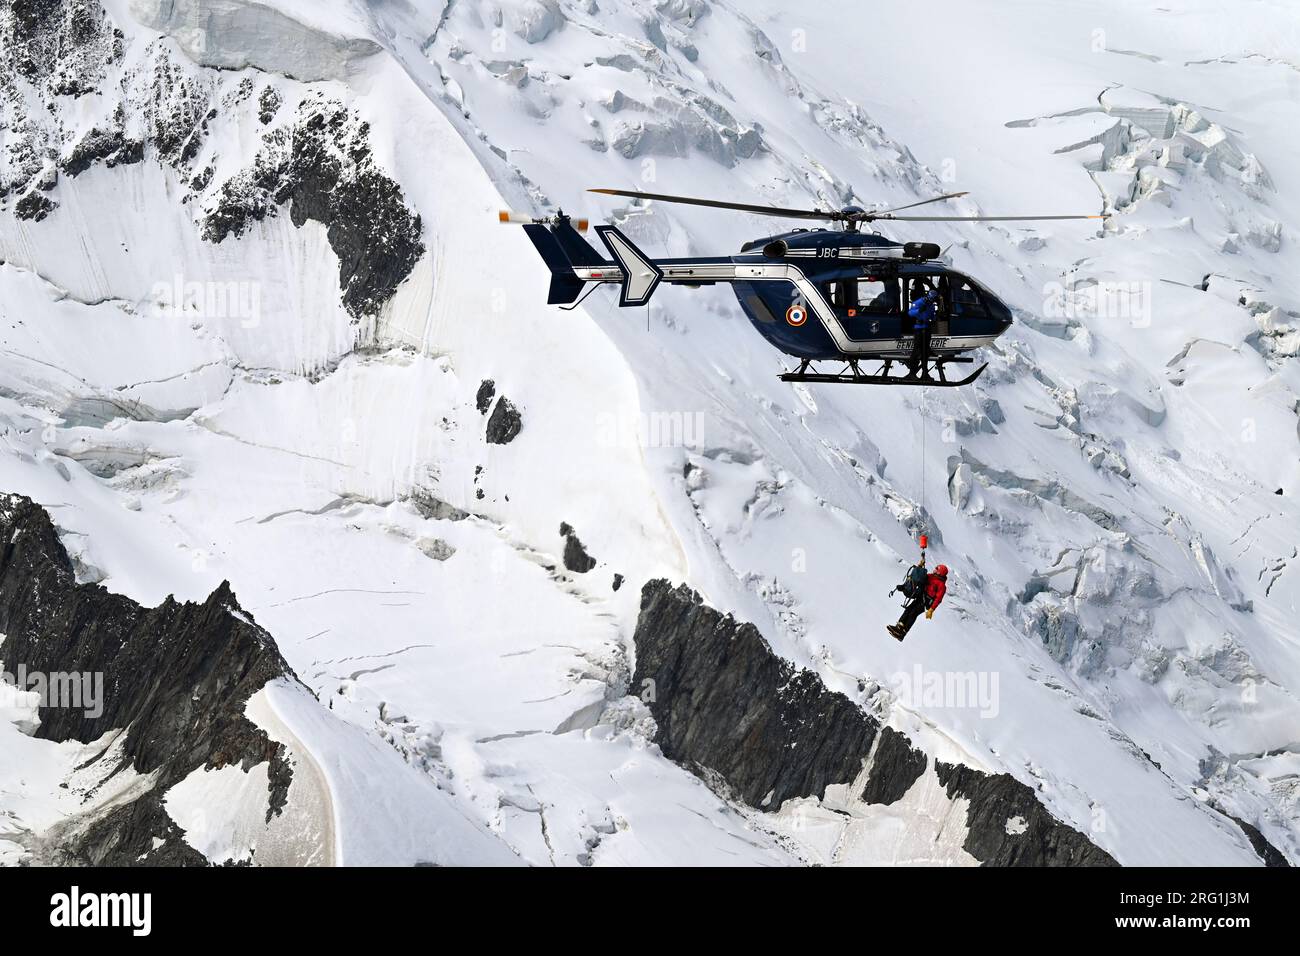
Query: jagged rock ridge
176	677
727	707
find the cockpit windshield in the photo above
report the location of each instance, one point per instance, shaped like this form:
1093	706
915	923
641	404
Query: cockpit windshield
966	299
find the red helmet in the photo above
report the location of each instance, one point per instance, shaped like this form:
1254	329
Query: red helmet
942	570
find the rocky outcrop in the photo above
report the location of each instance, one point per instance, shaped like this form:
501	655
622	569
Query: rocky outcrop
1002	812
724	703
322	168
317	161
1268	854
505	423
732	711
176	679
895	766
47	50
576	558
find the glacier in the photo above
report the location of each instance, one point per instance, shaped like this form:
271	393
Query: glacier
252	287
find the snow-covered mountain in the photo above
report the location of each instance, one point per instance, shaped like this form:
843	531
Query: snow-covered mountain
261	326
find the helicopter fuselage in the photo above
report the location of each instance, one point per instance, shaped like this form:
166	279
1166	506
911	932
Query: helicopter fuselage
839	294
815	294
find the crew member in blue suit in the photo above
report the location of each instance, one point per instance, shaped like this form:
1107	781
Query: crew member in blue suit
925	305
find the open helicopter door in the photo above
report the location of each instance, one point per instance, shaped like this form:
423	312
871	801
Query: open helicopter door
640	275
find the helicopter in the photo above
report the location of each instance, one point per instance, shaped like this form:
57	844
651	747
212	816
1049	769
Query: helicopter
818	295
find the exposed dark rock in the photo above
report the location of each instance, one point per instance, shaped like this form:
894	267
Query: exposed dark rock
323	169
111	148
727	708
33	206
177	677
63	45
618	581
268	104
724	702
576	558
126	837
48	49
177	112
487	390
203	178
895	766
504	423
996	799
1270	854
320	165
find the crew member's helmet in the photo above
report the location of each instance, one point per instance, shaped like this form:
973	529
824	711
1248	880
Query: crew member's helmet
942	570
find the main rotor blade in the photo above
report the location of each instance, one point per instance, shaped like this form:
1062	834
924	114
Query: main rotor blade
832	215
980	218
719	204
881	212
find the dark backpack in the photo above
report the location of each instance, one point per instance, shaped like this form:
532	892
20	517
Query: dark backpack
913	585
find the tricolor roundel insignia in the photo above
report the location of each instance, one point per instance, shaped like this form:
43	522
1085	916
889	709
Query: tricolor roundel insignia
797	314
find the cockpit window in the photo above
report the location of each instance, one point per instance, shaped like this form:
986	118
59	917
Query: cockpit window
966	300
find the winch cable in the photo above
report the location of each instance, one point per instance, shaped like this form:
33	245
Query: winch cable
925	514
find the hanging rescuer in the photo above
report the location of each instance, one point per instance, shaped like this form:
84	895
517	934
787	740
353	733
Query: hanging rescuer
923	590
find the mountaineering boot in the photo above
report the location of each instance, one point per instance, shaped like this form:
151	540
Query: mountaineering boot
896	631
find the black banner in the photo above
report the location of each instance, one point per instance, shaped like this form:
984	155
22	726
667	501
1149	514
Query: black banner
561	907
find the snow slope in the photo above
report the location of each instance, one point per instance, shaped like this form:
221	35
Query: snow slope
1123	572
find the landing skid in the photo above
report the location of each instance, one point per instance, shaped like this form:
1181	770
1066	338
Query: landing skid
931	373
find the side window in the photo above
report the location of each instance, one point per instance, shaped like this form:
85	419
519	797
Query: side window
877	295
966	300
835	294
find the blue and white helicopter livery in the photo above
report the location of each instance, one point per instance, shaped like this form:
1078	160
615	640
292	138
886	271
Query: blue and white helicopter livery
818	295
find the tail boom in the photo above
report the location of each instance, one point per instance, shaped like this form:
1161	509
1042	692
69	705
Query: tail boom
573	262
